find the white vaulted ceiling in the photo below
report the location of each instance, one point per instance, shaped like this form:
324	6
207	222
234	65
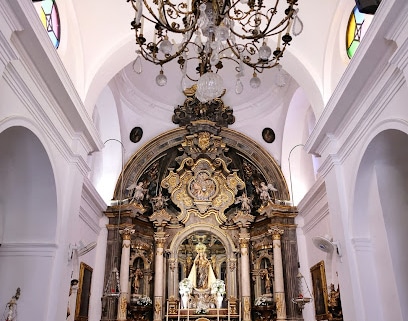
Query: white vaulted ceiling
97	49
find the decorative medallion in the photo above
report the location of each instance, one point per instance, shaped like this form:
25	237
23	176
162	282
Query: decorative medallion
268	135
202	186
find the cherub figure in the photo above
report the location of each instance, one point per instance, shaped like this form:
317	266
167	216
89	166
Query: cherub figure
138	191
159	202
246	202
263	191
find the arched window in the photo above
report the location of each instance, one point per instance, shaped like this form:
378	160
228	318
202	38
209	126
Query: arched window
48	12
356	29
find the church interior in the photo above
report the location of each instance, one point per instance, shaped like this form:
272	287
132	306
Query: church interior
158	165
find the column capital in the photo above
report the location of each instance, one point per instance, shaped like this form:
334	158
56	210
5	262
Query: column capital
276	232
126	233
160	238
244	239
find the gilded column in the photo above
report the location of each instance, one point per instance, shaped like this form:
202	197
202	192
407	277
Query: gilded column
245	276
124	272
279	294
160	239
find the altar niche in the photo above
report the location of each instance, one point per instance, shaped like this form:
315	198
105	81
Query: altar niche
203	284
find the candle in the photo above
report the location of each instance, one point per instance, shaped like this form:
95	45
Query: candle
279	39
289	25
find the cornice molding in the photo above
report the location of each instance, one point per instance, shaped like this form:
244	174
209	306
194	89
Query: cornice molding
314	206
10	19
92	213
316	218
28	249
22	90
362	244
312	198
92	197
366	113
359	74
90	220
6	53
34	49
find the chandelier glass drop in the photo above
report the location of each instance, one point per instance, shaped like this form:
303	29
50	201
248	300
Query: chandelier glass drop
209	33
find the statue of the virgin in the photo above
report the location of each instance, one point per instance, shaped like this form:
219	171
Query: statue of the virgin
201	274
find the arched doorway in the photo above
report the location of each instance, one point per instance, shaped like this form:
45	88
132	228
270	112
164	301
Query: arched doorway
380	222
28	208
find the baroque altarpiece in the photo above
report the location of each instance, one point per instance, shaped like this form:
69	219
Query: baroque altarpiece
201	227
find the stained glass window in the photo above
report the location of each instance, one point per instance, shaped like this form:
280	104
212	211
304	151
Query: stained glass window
356	29
48	12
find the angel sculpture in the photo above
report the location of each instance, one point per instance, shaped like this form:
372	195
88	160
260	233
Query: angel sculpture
159	202
246	202
137	190
263	191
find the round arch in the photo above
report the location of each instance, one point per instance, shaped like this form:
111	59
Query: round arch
200	227
378	220
28	210
225	239
138	163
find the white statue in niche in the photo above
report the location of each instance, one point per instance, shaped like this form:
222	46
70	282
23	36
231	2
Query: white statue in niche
201	274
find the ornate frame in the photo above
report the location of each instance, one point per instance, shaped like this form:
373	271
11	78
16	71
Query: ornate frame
84	292
320	291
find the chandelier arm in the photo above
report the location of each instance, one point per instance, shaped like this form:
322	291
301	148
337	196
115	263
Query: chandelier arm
285	21
265	33
155	19
234	31
162	16
149	57
258	66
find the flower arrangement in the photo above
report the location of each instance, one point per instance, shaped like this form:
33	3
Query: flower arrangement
260	301
218	287
201	310
143	301
185	286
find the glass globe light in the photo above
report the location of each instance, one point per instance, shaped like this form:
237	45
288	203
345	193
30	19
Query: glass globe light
166	46
161	79
255	82
209	87
264	52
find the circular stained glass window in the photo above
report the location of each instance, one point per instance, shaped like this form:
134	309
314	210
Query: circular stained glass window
356	29
48	12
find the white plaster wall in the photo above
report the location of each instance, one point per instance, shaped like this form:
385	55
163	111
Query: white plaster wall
39	263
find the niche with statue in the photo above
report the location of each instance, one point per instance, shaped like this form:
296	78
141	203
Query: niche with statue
202	273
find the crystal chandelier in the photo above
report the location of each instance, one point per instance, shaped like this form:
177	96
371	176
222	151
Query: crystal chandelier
210	33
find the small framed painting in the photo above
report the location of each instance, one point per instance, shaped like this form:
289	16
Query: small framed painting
320	291
84	292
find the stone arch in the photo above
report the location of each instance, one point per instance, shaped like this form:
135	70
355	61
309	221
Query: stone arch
378	222
138	163
28	210
225	239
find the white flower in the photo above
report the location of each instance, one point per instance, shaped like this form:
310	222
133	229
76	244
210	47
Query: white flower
144	301
185	286
218	287
260	301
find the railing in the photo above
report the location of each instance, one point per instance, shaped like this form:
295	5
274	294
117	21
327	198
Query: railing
212	313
